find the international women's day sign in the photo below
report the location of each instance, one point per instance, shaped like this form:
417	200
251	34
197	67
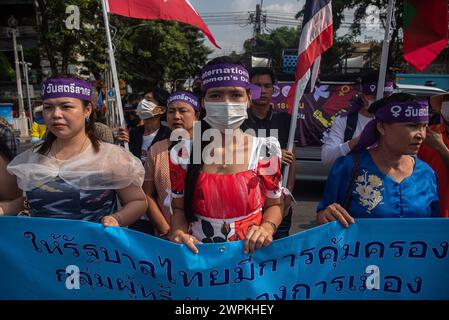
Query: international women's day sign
317	110
373	259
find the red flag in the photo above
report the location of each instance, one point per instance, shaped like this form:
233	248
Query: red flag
291	98
425	31
178	10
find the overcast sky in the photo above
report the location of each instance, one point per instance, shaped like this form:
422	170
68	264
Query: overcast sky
231	37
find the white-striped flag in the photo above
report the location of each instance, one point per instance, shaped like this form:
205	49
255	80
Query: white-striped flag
316	38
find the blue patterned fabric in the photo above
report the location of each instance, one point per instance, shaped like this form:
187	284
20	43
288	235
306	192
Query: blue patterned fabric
58	199
376	195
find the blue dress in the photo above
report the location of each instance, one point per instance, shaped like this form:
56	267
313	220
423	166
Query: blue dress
376	195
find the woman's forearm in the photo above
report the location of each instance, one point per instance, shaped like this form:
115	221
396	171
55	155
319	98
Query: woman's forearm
156	216
272	215
178	221
443	151
12	207
131	212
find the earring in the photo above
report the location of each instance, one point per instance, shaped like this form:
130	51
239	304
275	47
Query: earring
87	120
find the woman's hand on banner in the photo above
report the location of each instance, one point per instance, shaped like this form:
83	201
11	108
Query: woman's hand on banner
182	237
258	237
335	212
110	221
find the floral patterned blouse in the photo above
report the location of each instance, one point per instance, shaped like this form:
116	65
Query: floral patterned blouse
226	205
376	195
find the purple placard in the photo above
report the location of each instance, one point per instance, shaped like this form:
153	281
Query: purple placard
317	110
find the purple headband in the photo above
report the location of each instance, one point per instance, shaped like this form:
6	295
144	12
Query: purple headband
370	89
409	111
228	75
186	97
66	87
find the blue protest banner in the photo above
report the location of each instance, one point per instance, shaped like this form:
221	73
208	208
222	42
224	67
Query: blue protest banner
373	259
6	112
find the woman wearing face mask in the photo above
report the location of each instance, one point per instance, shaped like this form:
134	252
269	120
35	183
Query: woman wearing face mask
183	108
72	174
386	181
131	118
435	150
227	189
345	132
150	110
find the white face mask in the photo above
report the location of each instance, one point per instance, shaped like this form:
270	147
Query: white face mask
222	115
145	109
445	110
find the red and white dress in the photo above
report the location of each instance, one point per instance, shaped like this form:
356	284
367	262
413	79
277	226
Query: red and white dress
226	205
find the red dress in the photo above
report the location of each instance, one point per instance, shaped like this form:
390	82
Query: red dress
226	205
434	160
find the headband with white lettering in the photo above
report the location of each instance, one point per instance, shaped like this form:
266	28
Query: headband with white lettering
393	112
66	88
186	97
370	89
228	75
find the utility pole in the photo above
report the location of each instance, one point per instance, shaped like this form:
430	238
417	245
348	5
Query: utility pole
25	73
385	48
23	123
258	20
118	99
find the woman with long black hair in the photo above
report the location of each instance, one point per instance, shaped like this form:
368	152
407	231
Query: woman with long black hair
72	174
230	189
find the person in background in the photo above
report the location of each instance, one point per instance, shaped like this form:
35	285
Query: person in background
101	129
8	186
346	128
130	111
150	110
8	137
38	128
435	149
262	118
183	110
